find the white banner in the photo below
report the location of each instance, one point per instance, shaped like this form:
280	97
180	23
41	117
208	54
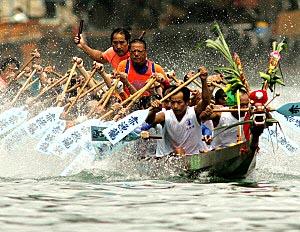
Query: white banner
124	126
75	136
12	118
34	128
56	129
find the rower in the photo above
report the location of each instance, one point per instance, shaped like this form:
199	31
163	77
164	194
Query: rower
114	55
182	123
227	118
8	68
138	69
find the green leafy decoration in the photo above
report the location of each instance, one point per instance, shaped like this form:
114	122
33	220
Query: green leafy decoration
232	73
273	75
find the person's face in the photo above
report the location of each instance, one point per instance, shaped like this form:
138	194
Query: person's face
10	71
138	53
244	98
166	104
221	100
120	44
178	105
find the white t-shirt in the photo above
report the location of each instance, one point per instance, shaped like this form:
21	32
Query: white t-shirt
229	136
185	134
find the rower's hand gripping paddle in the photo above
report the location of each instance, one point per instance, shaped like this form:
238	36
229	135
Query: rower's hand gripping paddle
80	30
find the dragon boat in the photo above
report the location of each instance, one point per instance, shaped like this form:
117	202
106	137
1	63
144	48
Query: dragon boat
233	161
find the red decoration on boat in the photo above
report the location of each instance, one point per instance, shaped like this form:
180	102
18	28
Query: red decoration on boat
258	96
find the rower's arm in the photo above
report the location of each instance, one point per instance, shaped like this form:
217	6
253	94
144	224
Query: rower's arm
206	95
208	114
155	116
94	54
164	80
106	77
124	79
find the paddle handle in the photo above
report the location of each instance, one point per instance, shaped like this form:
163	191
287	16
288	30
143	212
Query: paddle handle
216	85
144	89
80	29
81	90
100	102
67	83
23	88
111	91
198	84
180	87
91	89
50	87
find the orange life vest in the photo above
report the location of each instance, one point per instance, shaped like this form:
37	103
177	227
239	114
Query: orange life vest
136	79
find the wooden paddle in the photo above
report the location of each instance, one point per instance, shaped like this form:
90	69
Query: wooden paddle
138	95
215	84
35	54
63	94
110	94
108	113
23	88
100	102
288	109
133	98
81	90
92	89
48	88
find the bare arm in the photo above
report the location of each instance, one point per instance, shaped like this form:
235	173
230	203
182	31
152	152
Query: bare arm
124	79
94	54
155	116
206	95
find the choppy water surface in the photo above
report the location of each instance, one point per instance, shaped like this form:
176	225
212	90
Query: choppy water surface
264	204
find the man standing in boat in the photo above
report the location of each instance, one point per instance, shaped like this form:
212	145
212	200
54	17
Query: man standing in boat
114	55
182	123
138	69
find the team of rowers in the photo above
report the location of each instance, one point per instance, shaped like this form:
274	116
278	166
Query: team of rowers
186	119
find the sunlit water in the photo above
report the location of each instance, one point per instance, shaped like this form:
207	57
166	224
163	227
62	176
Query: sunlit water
118	194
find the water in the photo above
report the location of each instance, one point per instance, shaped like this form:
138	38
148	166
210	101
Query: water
87	203
116	195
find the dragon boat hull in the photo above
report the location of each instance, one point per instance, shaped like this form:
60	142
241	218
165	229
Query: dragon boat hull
234	161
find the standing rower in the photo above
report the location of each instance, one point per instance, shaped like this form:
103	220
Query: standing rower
115	54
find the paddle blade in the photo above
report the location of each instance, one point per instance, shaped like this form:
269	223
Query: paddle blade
124	126
290	109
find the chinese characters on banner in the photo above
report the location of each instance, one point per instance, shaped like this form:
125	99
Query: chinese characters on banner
126	125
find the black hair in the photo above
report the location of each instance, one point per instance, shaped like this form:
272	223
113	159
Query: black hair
122	31
185	91
168	89
7	61
219	94
138	41
185	78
